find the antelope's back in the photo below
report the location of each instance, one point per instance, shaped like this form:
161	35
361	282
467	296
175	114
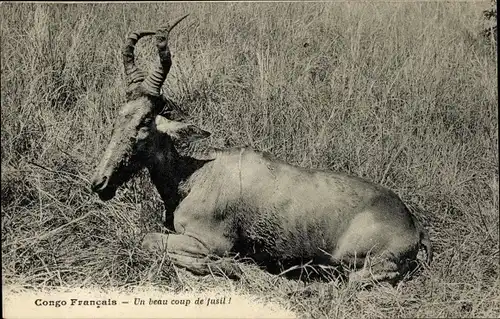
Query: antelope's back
285	209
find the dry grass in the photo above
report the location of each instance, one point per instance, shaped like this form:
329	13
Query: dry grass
404	94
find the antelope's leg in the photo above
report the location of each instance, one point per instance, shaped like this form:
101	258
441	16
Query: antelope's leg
187	252
378	269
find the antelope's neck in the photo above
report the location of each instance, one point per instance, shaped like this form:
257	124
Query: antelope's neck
168	170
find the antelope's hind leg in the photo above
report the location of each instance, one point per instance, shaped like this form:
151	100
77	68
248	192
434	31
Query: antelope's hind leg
381	271
383	268
187	252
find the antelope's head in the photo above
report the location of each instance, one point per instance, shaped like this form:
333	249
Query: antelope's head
138	127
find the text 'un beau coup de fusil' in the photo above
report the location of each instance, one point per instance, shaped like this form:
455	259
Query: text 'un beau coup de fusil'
136	301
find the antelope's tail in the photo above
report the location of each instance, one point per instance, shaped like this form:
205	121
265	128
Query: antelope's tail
425	242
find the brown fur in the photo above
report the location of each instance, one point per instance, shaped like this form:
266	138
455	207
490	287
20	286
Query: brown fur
280	215
242	202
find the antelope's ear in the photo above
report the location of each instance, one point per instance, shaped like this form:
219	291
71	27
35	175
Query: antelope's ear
180	132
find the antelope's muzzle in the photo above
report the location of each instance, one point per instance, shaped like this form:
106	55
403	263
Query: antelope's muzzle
100	185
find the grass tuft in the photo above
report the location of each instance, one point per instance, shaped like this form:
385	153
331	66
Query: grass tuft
404	94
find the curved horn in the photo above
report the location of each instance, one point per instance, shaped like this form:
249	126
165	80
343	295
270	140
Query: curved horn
132	72
155	80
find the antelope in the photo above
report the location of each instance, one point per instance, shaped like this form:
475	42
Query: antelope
242	202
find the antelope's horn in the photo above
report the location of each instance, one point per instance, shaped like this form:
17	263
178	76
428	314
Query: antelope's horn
132	72
155	80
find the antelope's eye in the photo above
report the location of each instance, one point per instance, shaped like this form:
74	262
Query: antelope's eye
146	121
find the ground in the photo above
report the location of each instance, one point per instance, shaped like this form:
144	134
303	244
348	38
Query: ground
403	94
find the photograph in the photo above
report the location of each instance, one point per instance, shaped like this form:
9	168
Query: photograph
255	159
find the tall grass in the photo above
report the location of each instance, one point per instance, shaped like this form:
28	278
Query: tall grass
404	94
